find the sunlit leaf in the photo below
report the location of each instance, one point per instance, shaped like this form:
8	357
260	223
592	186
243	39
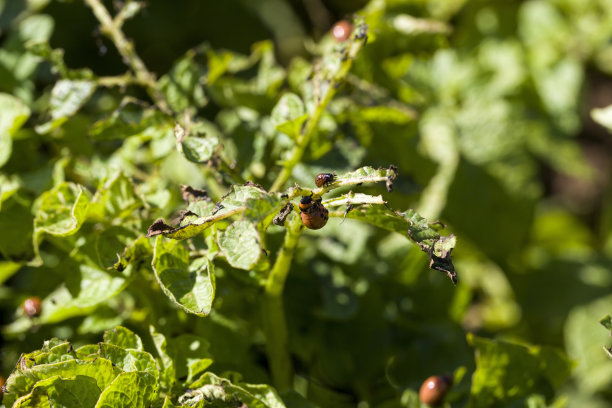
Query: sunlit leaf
13	114
131	389
78	391
240	244
288	115
122	337
190	284
67	97
224	393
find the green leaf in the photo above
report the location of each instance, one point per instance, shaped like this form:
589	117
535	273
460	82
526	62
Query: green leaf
21	64
17	222
8	187
223	393
183	86
8	269
606	322
85	289
166	363
199	149
128	359
507	371
263	209
122	337
584	339
96	288
130	390
116	199
23	378
191	224
67	97
78	392
191	356
189	284
365	174
258	92
168	403
415	228
56	372
289	114
240	244
130	119
60	211
13	114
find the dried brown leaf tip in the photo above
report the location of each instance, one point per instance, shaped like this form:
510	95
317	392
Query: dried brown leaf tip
440	257
190	194
158	227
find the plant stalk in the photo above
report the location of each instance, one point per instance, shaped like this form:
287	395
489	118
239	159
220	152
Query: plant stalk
274	323
112	29
337	78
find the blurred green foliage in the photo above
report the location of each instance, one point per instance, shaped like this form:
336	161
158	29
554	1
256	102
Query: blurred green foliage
496	115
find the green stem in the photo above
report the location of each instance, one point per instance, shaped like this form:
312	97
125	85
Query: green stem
274	323
311	124
112	29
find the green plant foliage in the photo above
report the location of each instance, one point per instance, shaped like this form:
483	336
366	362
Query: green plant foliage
160	189
506	371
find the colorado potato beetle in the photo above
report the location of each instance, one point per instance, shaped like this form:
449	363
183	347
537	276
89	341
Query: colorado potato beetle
324	179
313	214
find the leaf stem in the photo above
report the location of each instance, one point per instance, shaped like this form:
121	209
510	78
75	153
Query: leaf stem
274	323
303	138
112	29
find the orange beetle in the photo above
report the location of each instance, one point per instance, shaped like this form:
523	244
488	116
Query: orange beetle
324	179
314	215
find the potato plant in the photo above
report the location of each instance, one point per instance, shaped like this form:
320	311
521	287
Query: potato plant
231	231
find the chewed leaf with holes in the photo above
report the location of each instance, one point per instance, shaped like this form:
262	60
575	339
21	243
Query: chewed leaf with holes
363	175
190	284
410	224
237	201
